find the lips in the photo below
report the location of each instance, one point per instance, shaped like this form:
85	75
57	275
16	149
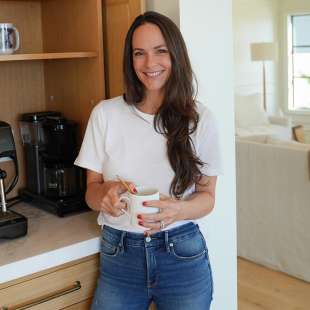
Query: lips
153	74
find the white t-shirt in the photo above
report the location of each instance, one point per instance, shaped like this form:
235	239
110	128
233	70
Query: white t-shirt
121	140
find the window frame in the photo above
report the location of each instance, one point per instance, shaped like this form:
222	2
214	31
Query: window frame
289	64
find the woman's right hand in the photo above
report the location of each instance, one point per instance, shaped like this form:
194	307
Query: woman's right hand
110	202
105	196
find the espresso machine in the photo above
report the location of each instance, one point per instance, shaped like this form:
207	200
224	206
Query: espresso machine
53	183
12	224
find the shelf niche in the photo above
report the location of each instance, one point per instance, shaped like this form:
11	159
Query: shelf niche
59	65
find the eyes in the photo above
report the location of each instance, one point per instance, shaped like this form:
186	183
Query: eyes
159	51
163	51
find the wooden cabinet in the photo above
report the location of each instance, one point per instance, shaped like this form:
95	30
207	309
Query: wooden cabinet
118	16
84	305
59	65
61	62
70	286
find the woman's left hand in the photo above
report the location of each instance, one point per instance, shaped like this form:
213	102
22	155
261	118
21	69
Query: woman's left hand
169	212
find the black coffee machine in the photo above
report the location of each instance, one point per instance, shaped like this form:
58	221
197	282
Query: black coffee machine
52	181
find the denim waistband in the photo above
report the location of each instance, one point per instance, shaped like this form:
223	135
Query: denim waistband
138	239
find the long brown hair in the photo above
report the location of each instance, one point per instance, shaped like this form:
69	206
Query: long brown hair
177	117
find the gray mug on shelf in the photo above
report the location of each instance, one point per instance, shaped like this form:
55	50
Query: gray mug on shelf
9	38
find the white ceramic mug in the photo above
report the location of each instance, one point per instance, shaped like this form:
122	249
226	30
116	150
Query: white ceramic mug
135	204
9	38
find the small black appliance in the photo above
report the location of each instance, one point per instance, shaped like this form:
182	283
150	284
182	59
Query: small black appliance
52	181
12	224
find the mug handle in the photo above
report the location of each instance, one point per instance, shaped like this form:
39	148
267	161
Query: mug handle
125	198
17	39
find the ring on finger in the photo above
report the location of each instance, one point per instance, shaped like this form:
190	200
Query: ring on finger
162	225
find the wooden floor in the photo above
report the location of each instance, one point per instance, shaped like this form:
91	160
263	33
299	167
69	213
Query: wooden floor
261	288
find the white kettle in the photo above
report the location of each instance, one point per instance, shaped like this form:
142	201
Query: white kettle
9	38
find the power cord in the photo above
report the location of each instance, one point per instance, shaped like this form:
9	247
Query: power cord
15	179
13	201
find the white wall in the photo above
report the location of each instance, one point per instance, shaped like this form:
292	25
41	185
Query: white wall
207	30
255	21
212	59
295	6
169	8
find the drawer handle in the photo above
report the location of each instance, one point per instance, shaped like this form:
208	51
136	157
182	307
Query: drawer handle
34	302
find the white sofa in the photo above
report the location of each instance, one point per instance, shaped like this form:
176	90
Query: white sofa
251	119
273	203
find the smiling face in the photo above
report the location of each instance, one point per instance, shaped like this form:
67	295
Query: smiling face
151	58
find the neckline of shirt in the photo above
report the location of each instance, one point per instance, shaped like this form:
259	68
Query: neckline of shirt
147	117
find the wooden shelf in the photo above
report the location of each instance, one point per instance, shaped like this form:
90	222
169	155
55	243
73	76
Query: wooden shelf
42	56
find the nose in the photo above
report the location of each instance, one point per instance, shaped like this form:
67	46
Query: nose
149	60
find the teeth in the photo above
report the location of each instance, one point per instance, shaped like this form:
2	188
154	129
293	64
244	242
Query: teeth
153	74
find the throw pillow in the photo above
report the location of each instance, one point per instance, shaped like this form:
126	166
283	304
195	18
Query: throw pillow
257	138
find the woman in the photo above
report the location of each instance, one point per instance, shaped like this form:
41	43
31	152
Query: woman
155	135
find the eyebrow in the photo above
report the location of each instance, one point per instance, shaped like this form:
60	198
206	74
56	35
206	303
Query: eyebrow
155	47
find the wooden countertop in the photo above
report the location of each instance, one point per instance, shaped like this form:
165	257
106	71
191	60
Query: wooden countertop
51	241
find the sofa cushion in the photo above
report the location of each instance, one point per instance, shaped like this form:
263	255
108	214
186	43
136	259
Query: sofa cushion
290	144
256	138
276	131
249	111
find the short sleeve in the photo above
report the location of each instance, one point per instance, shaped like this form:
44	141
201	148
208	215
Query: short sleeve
92	153
208	144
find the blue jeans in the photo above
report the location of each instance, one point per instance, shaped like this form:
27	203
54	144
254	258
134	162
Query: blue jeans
172	269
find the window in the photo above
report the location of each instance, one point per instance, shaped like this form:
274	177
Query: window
299	62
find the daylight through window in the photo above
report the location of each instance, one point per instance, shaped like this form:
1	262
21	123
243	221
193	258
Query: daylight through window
299	62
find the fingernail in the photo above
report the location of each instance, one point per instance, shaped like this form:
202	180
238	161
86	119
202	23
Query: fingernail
134	190
139	216
145	234
140	223
144	203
